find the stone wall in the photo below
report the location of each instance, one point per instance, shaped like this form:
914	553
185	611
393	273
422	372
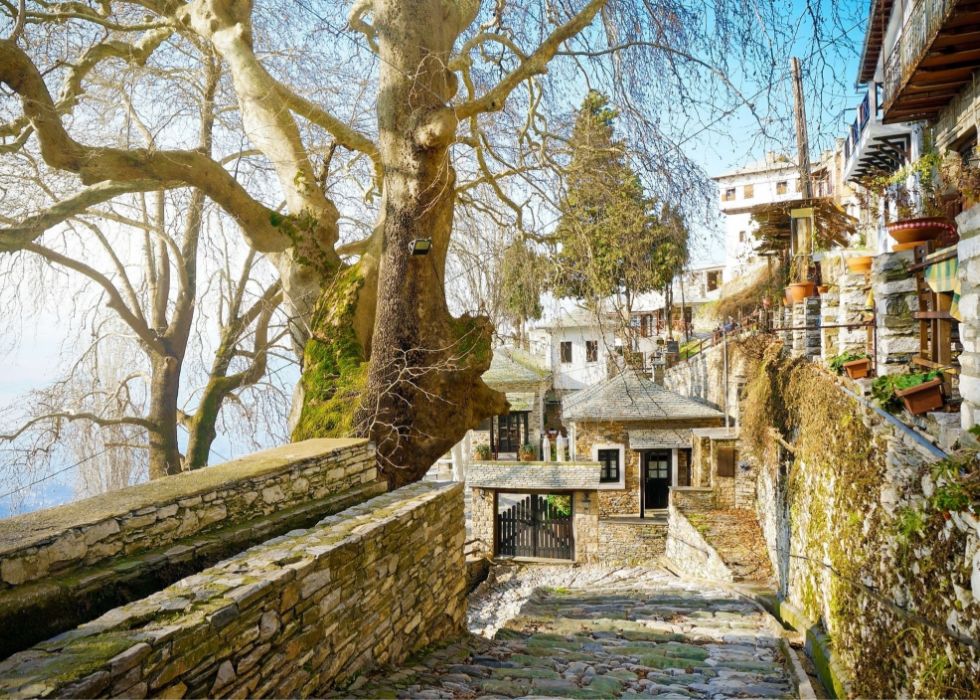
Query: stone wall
806	324
702	377
290	618
690	552
969	272
630	543
613	501
829	313
64	565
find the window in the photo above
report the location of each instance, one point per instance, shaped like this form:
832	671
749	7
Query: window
591	350
713	280
566	352
724	460
748	191
728	195
684	466
742	236
609	459
781	187
512	433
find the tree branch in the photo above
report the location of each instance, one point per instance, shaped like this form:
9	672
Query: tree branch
535	64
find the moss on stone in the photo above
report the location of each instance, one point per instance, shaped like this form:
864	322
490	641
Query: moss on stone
335	366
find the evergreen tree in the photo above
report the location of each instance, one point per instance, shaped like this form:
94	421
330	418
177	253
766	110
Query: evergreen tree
522	286
614	240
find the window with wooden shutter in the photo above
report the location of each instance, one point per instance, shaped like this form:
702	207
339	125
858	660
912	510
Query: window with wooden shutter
724	460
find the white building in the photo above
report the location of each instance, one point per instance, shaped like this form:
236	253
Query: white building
575	346
775	178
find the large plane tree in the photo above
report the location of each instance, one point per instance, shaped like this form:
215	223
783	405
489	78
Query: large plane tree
421	106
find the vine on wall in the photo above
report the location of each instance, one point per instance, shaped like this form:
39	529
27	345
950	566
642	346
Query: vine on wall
880	539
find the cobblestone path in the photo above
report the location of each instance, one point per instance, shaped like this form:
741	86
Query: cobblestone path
592	634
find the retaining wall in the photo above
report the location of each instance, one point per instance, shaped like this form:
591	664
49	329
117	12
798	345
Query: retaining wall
631	543
65	565
292	617
690	552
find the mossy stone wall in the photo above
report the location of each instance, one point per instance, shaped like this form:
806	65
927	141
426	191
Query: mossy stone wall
290	618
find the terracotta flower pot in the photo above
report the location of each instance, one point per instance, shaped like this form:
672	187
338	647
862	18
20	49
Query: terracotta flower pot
918	230
798	291
859	264
922	398
858	369
823	288
899	247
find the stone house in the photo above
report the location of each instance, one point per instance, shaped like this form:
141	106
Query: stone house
643	437
526	383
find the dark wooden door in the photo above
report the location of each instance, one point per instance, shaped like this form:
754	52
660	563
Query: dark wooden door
536	526
656	479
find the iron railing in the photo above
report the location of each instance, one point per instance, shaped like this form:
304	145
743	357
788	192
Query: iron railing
923	23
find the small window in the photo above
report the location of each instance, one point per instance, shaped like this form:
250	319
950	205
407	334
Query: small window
724	460
713	280
742	236
781	187
728	195
566	352
748	191
591	350
609	459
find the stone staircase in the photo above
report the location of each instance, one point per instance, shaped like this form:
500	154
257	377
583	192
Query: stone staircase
736	536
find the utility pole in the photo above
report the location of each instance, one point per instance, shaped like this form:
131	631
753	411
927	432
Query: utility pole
803	161
802	143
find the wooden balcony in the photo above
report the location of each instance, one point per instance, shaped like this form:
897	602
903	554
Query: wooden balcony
933	58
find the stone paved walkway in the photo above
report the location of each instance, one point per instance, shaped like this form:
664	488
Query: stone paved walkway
587	633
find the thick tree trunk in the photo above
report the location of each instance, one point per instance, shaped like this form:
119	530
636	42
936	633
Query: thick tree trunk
164	383
421	389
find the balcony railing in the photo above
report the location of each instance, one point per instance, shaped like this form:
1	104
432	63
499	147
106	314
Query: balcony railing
923	23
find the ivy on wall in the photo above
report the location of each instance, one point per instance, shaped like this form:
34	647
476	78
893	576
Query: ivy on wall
880	539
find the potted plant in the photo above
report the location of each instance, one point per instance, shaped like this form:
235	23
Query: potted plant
919	392
915	209
527	453
798	291
922	397
857	365
482	451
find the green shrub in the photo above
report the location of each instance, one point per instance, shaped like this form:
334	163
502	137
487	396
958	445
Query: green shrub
483	451
837	362
883	388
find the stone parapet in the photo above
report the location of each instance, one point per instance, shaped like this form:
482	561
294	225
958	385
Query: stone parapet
289	618
852	308
829	312
65	565
535	476
691	553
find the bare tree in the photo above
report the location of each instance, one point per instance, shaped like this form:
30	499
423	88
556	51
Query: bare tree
445	79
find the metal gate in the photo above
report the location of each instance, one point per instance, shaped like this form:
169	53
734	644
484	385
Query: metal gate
535	527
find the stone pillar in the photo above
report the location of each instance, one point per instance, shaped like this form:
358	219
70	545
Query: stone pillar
969	266
585	526
560	443
895	303
829	311
787	322
482	515
545	448
852	308
806	319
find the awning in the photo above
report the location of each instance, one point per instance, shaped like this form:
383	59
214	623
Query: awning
943	278
653	438
520	400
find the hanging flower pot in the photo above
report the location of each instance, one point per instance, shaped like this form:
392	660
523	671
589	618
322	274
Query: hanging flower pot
922	398
798	291
858	369
859	264
919	230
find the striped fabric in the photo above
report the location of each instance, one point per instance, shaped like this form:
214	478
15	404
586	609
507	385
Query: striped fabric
943	277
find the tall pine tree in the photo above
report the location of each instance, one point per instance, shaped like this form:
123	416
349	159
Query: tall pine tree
614	240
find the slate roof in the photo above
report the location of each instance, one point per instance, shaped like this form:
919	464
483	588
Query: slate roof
567	476
630	396
513	366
